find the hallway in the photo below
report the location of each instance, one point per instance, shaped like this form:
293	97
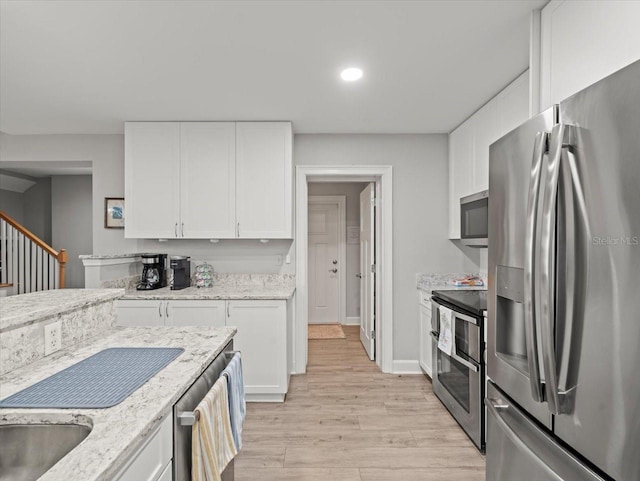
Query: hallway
346	421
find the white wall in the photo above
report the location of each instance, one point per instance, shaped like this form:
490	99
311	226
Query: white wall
71	222
351	190
420	212
12	204
37	209
107	155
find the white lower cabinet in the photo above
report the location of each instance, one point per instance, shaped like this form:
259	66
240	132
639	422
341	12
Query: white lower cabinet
425	336
195	313
153	460
262	334
262	339
134	313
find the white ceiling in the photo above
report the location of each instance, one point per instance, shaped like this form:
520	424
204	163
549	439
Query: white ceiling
85	67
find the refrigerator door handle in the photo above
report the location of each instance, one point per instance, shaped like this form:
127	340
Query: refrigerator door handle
547	281
572	261
530	279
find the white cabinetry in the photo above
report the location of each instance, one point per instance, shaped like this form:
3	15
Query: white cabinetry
134	313
486	130
208	180
425	333
152	179
264	179
151	461
583	42
262	339
469	144
460	172
171	313
195	313
262	334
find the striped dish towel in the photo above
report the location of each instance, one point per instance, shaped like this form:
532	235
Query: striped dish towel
237	405
211	437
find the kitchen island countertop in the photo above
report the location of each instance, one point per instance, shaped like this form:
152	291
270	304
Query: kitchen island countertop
117	432
17	311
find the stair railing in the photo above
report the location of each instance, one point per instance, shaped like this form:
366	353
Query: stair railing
26	261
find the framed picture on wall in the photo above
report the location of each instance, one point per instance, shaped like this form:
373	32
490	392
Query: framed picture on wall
114	213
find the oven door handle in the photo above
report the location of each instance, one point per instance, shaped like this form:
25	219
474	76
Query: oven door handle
454	355
458	315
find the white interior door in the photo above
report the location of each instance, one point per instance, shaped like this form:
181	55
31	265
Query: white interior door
367	260
323	264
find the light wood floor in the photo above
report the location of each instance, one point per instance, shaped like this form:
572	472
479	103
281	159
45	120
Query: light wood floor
346	421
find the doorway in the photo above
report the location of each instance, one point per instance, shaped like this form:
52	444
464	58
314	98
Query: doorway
380	330
327	257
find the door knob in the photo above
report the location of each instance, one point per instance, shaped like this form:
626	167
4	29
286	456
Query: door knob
359	276
333	270
334	262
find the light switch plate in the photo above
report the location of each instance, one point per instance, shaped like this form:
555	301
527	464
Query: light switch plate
52	337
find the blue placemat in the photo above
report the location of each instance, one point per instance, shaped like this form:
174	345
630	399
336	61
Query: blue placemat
100	381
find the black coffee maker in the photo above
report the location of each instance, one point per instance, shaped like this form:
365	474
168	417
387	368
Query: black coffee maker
154	272
181	272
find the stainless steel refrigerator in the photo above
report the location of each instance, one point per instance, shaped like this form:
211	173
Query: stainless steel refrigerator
563	401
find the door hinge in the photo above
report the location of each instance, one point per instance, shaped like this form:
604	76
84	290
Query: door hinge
373	334
373	268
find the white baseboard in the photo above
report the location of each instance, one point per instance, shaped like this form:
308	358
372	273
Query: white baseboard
352	321
406	367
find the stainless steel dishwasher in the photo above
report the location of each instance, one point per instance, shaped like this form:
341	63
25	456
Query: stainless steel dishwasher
183	410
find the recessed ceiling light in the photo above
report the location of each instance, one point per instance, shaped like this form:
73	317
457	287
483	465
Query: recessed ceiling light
351	74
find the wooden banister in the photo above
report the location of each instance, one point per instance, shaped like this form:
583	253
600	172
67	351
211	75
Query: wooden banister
61	255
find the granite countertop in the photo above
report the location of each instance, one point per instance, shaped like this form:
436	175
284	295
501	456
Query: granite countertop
108	256
448	287
120	430
441	282
232	292
16	311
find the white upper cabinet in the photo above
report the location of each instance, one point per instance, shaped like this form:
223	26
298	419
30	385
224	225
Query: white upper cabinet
152	179
264	179
460	173
208	180
469	144
583	42
513	105
486	127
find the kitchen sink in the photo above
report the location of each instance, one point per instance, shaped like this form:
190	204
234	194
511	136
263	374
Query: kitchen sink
29	450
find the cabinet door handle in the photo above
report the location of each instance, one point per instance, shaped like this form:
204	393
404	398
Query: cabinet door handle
160	309
182	229
166	308
238	229
228	310
175	230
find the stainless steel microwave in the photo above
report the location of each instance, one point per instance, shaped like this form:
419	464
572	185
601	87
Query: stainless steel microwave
474	219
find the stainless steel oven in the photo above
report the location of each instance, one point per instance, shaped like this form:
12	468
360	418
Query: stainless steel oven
474	219
458	379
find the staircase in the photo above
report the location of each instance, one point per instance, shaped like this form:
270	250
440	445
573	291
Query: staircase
28	264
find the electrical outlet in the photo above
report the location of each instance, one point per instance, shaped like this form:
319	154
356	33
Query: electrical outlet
52	337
